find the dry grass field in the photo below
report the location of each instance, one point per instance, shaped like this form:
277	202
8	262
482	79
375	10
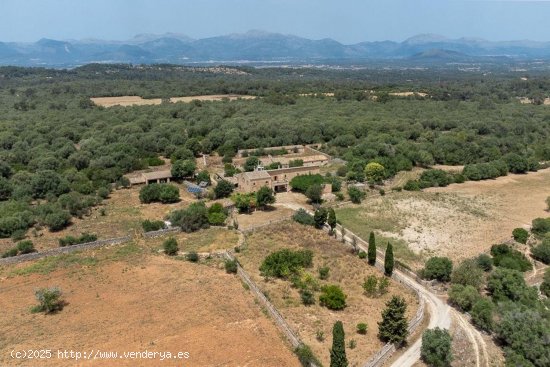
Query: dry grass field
459	221
124	298
123	216
346	270
139	101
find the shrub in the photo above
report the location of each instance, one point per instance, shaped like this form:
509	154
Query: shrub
520	235
506	257
362	255
332	297
307	296
436	347
383	285
545	285
509	285
463	297
49	300
393	327
370	286
303	182
484	262
192	219
169	194
231	266
540	226
154	192
192	257
25	247
439	268
541	252
468	273
216	219
152	225
57	220
10	253
170	247
435	178
306	356
482	314
412	185
103	192
320	217
284	263
355	195
303	217
83	238
362	328
324	272
375	172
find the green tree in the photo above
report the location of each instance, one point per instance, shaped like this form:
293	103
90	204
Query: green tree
192	219
223	189
170	246
545	285
331	220
520	235
169	194
183	169
372	249
541	252
264	197
388	260
483	314
251	163
332	297
314	193
393	327
375	172
436	347
464	297
338	351
320	217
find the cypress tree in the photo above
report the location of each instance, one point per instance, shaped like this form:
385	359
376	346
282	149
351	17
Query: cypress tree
372	249
388	260
338	351
393	327
331	219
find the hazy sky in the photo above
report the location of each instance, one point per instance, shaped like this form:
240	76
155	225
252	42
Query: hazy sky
347	21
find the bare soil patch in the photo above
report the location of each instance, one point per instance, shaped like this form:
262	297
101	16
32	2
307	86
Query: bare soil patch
144	302
346	270
139	101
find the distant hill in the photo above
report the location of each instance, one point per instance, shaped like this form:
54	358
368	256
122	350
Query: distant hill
260	46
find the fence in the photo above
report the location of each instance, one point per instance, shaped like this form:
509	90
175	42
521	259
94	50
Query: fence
161	232
64	250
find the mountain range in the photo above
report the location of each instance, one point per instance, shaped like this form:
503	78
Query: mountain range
260	47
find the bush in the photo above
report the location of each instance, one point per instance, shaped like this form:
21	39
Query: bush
362	255
149	193
463	297
482	314
540	226
216	219
307	296
355	195
25	247
57	220
412	185
324	272
192	219
362	328
520	235
436	347
154	192
541	252
192	257
393	327
284	263
170	247
83	238
375	172
155	225
484	262
314	193
439	268
10	253
332	297
231	266
468	273
506	257
303	182
169	194
183	168
370	286
49	300
303	217
306	356
509	285
320	217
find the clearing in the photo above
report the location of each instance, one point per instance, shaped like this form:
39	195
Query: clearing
139	101
124	299
346	270
459	221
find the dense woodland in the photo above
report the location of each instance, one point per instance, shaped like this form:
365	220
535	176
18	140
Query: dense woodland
60	154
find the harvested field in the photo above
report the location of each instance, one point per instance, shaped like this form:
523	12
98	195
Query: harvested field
124	299
123	216
459	221
346	270
139	101
259	217
206	240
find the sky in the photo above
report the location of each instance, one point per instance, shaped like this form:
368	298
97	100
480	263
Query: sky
347	21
